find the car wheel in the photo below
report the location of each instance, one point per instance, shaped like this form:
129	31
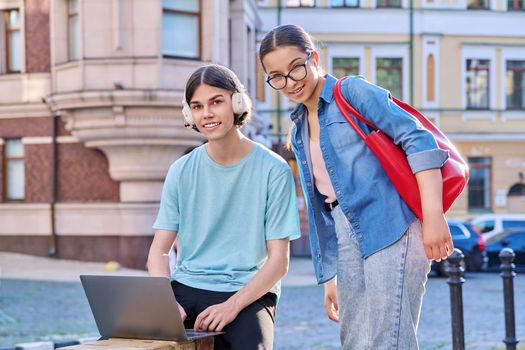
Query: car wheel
439	267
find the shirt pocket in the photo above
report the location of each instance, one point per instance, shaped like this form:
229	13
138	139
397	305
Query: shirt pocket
341	133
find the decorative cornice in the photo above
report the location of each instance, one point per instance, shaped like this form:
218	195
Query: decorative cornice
111	98
141	132
37	140
28	110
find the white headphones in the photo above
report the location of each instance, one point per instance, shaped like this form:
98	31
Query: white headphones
240	101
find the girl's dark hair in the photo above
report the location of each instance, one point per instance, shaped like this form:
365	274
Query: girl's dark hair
221	77
286	35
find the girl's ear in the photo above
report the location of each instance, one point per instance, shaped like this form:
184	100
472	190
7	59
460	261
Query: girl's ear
315	58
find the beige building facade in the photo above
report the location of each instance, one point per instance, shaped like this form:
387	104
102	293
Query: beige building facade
90	115
460	62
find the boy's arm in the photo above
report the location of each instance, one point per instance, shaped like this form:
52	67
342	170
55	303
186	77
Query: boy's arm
158	264
158	257
216	317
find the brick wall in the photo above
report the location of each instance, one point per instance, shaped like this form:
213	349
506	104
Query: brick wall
35	245
61	129
84	175
38	182
128	251
38	53
1	173
19	127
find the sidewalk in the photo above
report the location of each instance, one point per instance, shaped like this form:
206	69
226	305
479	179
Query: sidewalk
28	267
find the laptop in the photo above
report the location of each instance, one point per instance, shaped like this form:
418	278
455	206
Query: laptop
137	307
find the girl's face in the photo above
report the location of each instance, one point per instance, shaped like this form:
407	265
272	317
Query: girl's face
292	72
211	108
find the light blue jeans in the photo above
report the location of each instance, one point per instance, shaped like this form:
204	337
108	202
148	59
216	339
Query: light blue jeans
380	297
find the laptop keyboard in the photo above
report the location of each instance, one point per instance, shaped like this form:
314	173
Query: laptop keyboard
190	333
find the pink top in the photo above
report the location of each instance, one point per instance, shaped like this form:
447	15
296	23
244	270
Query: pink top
322	180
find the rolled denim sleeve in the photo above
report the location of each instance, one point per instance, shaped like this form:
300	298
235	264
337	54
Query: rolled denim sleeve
431	159
376	104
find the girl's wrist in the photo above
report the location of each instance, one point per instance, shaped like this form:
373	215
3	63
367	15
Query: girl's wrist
434	209
330	283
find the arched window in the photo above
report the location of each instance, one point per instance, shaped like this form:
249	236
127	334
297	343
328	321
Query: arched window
430	78
517	190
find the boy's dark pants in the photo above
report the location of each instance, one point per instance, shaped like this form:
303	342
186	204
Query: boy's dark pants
252	329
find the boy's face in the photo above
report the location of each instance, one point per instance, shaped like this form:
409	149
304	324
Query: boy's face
212	112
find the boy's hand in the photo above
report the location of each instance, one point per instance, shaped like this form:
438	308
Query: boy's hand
216	317
182	312
331	306
436	237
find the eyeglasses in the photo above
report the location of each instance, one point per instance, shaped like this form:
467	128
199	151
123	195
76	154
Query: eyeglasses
299	72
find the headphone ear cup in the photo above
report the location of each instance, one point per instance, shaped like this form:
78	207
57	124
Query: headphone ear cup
186	112
239	103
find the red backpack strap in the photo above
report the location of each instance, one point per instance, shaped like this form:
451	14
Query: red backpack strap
341	101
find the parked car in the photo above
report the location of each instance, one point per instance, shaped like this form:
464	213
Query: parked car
514	239
492	224
470	241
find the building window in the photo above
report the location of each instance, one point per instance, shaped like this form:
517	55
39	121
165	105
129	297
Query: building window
389	75
515	85
479	183
13	40
477	84
389	3
73	30
345	3
300	3
181	28
517	190
431	78
515	5
478	4
14	170
343	66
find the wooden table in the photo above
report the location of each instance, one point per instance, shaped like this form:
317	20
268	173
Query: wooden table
138	344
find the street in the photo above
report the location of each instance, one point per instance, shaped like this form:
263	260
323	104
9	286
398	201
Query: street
32	310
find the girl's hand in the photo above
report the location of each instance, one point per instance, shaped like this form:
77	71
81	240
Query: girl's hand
436	237
331	306
436	234
216	317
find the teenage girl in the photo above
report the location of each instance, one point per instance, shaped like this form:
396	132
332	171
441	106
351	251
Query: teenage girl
361	231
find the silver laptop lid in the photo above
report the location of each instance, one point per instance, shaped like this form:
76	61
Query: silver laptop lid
140	307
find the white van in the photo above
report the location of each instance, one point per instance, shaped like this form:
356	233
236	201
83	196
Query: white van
492	224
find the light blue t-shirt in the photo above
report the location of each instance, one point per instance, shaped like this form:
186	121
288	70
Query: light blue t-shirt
225	214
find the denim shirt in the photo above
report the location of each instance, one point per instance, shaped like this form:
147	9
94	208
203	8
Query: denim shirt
378	215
